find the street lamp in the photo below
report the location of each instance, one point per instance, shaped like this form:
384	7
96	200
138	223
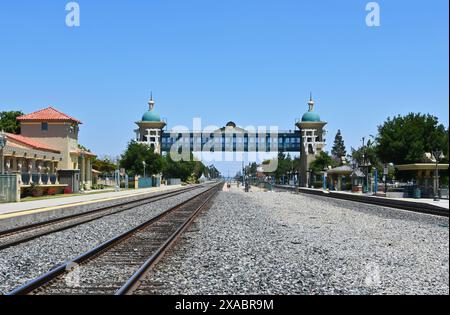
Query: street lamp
3	141
366	165
144	164
325	177
385	175
438	155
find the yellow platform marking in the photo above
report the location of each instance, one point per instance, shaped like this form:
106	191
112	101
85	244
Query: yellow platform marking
70	205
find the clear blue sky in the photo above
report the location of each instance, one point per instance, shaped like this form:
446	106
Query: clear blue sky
250	61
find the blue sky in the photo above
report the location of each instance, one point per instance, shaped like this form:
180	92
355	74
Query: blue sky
250	61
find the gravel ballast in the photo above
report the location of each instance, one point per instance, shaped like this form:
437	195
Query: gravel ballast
285	243
27	261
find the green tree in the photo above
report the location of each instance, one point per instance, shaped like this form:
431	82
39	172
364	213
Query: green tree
105	166
285	165
253	169
137	153
366	154
405	139
338	151
187	171
212	172
323	161
296	164
9	123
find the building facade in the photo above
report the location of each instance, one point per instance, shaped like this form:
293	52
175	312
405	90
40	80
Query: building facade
47	151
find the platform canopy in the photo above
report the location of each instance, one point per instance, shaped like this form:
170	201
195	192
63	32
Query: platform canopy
421	167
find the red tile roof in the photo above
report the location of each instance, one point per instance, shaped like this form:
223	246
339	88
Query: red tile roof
31	143
48	114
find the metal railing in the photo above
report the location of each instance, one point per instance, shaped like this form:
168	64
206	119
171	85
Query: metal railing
8	188
43	179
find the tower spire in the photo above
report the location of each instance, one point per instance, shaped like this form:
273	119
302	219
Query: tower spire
311	102
151	103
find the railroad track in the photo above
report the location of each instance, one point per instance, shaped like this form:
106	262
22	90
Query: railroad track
16	236
116	266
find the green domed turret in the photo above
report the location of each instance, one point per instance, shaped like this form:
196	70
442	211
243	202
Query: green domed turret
151	115
311	116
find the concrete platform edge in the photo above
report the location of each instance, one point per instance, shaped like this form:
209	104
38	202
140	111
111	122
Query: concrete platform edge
398	204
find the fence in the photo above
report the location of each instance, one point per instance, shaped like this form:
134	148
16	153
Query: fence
106	181
173	181
444	193
145	182
9	188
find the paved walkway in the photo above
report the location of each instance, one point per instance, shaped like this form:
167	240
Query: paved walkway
8	209
442	203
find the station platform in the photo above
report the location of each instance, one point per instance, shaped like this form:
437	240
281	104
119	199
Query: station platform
14	210
427	205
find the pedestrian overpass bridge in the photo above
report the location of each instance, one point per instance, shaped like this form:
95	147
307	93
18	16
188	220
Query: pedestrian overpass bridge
233	139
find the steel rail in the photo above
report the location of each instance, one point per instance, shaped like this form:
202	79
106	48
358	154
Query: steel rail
75	217
91	254
133	281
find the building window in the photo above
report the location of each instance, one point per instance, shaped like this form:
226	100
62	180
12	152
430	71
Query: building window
44	126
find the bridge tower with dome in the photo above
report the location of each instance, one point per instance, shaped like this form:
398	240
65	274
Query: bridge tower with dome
150	128
312	142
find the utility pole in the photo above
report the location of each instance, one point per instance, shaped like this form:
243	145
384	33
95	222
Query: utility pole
365	167
385	175
437	156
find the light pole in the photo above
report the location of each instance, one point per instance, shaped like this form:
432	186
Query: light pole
3	141
364	160
366	165
385	175
82	173
354	182
437	156
144	164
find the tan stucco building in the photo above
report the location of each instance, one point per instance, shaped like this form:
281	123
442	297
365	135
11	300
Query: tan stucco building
47	151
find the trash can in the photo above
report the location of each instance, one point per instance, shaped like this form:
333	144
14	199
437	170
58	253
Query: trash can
417	193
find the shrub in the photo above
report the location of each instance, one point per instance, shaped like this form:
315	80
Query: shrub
318	184
51	192
67	190
36	191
